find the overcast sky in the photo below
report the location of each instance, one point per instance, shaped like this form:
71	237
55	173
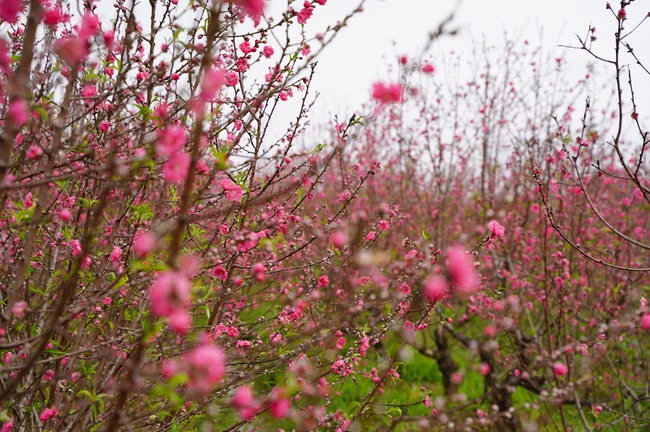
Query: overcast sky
364	50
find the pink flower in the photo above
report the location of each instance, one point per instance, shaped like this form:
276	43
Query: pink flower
621	14
386	94
9	10
305	13
179	321
267	51
169	293
18	111
484	369
259	271
18	309
89	25
171	140
234	192
71	49
462	272
52	17
116	255
645	321
339	239
560	369
322	281
497	229
34	152
434	288
252	8
243	346
143	244
49	413
220	273
244	402
177	167
213	80
205	367
75	247
279	404
65	215
89	91
107	301
48	375
428	68
365	344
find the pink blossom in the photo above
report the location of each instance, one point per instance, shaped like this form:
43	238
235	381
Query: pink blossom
143	244
6	427
54	16
305	13
428	68
205	367
48	375
19	111
220	273
18	309
645	321
71	49
107	301
177	167
243	346
179	321
280	405
244	402
339	239
322	281
560	369
49	413
462	272
213	80
169	293
89	25
116	255
34	152
387	93
252	8
65	215
622	14
484	369
75	247
497	229
234	192
89	91
9	10
171	140
434	288
231	79
267	51
365	344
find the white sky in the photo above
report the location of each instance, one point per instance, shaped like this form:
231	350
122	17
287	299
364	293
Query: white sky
364	50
